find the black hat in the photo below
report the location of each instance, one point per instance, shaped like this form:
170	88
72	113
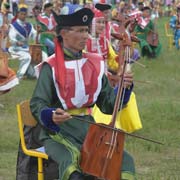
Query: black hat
74	15
103	6
146	8
48	5
140	3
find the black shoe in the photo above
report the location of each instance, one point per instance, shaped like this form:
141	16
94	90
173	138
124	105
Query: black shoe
76	176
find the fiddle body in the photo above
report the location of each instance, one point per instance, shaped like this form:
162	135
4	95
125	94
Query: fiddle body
152	38
106	148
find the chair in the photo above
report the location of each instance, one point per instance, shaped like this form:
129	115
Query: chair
168	34
25	118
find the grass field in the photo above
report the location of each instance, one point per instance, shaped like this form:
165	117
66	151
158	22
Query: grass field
158	102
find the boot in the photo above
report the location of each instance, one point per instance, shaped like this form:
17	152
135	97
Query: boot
76	176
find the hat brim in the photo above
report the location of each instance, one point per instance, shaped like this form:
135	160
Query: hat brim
82	17
102	6
146	8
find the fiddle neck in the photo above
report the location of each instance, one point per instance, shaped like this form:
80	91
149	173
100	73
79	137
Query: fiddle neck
120	94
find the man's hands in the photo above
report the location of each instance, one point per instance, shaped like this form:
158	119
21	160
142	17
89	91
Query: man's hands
114	79
19	43
59	116
128	79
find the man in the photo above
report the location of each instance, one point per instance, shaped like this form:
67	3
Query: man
5	19
69	83
98	43
20	33
105	8
46	25
175	25
147	35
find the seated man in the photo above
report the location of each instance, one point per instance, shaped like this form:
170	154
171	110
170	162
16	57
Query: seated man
46	25
69	83
20	33
147	35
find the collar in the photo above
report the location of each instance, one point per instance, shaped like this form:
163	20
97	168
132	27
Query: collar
69	55
21	22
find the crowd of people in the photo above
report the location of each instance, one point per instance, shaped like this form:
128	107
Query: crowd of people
82	65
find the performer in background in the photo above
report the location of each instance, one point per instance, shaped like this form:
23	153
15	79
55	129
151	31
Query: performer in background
175	25
20	33
99	44
5	19
105	8
46	25
69	83
8	78
148	36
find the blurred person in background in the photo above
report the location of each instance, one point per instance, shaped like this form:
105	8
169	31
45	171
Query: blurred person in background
46	26
20	33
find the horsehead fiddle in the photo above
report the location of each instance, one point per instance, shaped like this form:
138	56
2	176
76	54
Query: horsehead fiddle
102	150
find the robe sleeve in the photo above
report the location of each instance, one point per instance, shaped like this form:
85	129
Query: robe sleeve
44	96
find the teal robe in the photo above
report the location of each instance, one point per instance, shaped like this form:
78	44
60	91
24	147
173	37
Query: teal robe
65	146
44	35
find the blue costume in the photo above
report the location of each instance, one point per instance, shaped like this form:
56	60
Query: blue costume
175	25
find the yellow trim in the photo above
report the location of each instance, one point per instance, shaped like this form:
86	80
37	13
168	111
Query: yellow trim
127	176
111	59
74	153
80	111
69	171
139	33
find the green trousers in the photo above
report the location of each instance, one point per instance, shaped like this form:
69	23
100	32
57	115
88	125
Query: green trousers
67	156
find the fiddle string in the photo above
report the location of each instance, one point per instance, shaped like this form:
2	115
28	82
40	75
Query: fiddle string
113	139
120	103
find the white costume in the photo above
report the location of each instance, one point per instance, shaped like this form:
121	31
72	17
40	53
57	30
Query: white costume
22	32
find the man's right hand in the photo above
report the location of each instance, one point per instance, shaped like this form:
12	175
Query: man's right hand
19	43
59	116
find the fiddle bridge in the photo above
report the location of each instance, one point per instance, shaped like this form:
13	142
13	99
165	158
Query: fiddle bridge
102	152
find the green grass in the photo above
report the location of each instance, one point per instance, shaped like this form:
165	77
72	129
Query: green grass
158	103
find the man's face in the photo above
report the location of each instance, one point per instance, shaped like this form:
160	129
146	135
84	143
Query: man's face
22	16
100	25
146	13
75	38
48	10
107	14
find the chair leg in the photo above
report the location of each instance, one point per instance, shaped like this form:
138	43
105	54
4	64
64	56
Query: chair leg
170	43
40	169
